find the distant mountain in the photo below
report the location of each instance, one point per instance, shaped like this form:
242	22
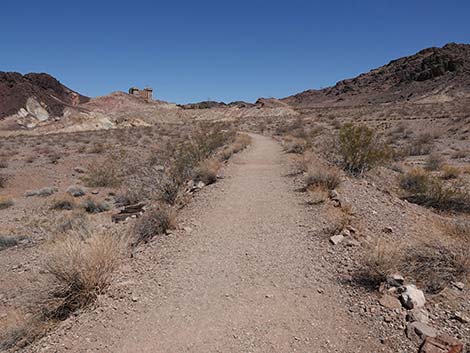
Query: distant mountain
36	94
431	75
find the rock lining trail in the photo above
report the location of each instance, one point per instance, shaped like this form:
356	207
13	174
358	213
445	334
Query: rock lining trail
244	279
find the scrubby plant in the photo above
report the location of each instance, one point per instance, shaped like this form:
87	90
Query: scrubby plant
63	203
450	172
93	206
324	177
3	180
434	162
3	162
206	171
104	174
8	241
154	222
5	202
360	148
81	269
295	145
424	189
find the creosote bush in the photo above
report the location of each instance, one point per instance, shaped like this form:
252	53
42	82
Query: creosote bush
434	162
360	148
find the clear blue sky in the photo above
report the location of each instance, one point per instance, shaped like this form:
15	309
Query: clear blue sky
222	50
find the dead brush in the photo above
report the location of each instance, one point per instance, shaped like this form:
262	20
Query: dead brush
327	178
5	202
63	203
450	172
105	174
155	221
3	162
81	269
207	171
379	262
3	180
436	265
295	145
434	162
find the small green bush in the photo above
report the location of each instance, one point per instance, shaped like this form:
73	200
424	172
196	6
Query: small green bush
361	148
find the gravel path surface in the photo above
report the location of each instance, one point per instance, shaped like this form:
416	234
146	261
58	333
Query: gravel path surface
244	279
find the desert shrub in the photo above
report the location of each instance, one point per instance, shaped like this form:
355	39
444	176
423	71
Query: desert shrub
434	162
427	190
63	203
97	148
3	162
81	269
450	172
206	171
92	206
104	174
361	148
324	177
3	180
434	266
5	203
421	145
295	145
10	241
241	142
168	189
382	261
154	222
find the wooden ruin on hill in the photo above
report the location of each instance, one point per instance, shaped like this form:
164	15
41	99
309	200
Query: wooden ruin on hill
145	93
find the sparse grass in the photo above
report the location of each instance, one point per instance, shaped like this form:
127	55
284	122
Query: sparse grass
5	202
378	263
361	148
206	171
168	189
324	177
154	222
424	189
420	146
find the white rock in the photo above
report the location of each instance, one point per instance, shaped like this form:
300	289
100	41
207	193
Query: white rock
336	239
412	297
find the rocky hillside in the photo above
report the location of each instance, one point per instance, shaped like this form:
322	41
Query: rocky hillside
432	75
37	94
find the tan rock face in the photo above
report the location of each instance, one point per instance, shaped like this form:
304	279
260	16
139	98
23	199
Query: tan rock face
36	109
442	344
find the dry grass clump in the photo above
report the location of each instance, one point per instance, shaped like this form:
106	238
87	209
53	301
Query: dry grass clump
155	221
3	162
434	162
450	172
421	145
382	261
361	148
63	203
295	145
8	241
434	266
81	269
424	189
168	189
3	181
17	331
104	174
323	177
206	171
93	206
5	203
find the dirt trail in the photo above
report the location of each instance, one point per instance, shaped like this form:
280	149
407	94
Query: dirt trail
246	279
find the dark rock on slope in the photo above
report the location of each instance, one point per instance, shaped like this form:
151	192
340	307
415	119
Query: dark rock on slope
430	73
16	89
